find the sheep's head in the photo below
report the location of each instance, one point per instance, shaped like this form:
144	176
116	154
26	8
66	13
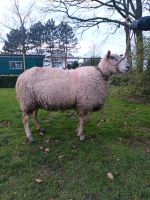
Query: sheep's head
113	63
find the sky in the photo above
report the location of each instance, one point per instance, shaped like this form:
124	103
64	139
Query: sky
93	42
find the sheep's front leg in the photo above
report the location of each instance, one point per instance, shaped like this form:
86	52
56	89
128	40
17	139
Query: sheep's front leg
25	118
37	123
82	120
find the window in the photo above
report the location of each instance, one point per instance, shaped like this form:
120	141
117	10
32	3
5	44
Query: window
15	64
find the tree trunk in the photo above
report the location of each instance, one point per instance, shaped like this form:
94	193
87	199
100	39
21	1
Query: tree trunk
24	55
65	50
148	61
139	50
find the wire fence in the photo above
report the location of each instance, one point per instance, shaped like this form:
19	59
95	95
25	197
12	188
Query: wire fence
65	62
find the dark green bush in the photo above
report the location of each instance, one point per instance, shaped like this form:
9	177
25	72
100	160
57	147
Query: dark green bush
120	80
8	81
141	83
73	65
91	61
138	85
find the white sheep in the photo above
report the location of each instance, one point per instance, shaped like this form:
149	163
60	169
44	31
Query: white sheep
84	89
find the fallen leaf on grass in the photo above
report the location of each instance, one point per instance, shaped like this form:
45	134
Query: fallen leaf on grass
47	141
110	176
61	156
38	180
147	150
46	150
99	124
125	123
73	150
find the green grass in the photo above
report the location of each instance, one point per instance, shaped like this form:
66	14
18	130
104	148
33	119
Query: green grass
118	142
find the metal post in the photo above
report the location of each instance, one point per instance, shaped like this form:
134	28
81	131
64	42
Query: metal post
24	62
66	57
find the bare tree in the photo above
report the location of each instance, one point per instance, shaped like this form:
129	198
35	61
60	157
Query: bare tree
89	13
18	14
94	49
19	17
147	6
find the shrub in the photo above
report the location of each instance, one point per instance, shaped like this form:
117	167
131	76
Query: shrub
73	65
138	85
142	84
91	61
120	80
8	81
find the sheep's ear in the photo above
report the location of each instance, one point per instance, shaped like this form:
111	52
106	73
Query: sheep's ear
108	54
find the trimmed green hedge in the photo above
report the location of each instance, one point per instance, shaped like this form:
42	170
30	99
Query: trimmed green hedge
8	81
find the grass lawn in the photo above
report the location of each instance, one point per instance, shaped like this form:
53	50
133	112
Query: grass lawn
60	167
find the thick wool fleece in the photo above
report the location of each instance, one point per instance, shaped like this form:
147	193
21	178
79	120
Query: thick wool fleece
52	89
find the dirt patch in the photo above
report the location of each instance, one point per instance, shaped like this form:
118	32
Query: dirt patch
143	100
131	139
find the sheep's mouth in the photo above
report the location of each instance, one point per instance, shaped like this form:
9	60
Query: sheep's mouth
122	71
117	69
127	69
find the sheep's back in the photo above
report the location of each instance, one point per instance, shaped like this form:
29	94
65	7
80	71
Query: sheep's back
46	88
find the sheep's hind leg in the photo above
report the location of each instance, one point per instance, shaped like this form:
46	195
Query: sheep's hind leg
37	123
82	120
25	118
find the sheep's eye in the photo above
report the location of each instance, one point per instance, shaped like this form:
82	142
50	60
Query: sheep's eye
113	58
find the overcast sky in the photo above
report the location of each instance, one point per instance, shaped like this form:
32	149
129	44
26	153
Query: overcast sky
93	41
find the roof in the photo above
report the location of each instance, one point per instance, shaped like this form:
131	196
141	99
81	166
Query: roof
20	55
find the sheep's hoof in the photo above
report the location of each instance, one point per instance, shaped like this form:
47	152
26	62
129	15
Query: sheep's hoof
41	131
82	137
31	140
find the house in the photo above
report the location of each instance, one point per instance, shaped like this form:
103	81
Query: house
16	64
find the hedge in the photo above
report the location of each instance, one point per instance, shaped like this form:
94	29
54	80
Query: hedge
8	81
120	80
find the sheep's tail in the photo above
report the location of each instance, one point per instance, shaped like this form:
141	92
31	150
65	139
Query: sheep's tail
17	88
